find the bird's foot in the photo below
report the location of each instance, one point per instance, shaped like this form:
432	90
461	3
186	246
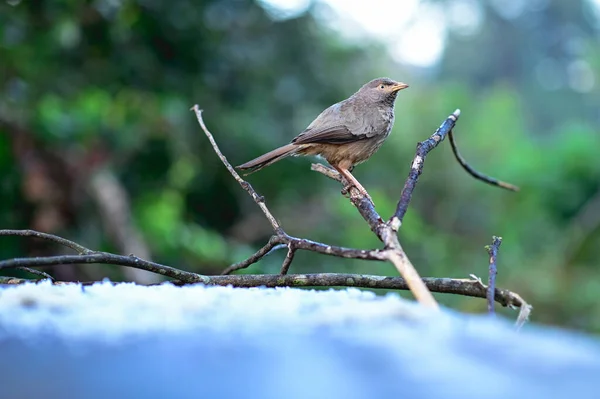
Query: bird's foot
365	193
346	191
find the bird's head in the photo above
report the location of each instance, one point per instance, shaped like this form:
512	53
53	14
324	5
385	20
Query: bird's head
381	90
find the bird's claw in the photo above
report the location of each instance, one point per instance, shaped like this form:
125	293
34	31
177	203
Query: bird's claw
367	196
346	191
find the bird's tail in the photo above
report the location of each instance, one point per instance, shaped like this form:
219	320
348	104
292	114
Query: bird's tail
269	158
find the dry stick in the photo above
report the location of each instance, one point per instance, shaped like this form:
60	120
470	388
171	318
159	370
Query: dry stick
480	176
493	271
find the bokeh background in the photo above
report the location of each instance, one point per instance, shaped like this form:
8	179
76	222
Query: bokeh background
97	142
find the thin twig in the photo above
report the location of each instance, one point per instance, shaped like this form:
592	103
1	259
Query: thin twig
423	148
104	258
307	245
493	271
478	175
80	249
289	257
260	201
36	272
258	255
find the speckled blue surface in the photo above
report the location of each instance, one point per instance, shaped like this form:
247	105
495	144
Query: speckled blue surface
127	341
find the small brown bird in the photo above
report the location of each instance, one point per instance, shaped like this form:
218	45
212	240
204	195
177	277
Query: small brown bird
345	134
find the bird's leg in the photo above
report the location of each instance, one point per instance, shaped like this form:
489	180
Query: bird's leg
351	180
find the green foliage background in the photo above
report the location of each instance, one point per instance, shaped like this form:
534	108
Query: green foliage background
95	96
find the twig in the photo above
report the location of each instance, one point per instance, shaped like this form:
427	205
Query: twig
105	258
307	245
493	252
260	201
480	176
35	272
423	148
289	257
258	255
49	237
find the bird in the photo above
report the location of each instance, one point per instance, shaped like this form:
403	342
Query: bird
344	134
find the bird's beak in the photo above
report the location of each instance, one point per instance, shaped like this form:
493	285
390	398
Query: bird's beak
399	86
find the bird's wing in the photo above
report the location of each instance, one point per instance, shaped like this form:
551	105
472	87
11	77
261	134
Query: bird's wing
329	135
332	126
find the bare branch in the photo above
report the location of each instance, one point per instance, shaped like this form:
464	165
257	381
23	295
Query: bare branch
493	252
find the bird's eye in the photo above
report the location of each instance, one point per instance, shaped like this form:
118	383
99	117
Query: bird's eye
382	86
